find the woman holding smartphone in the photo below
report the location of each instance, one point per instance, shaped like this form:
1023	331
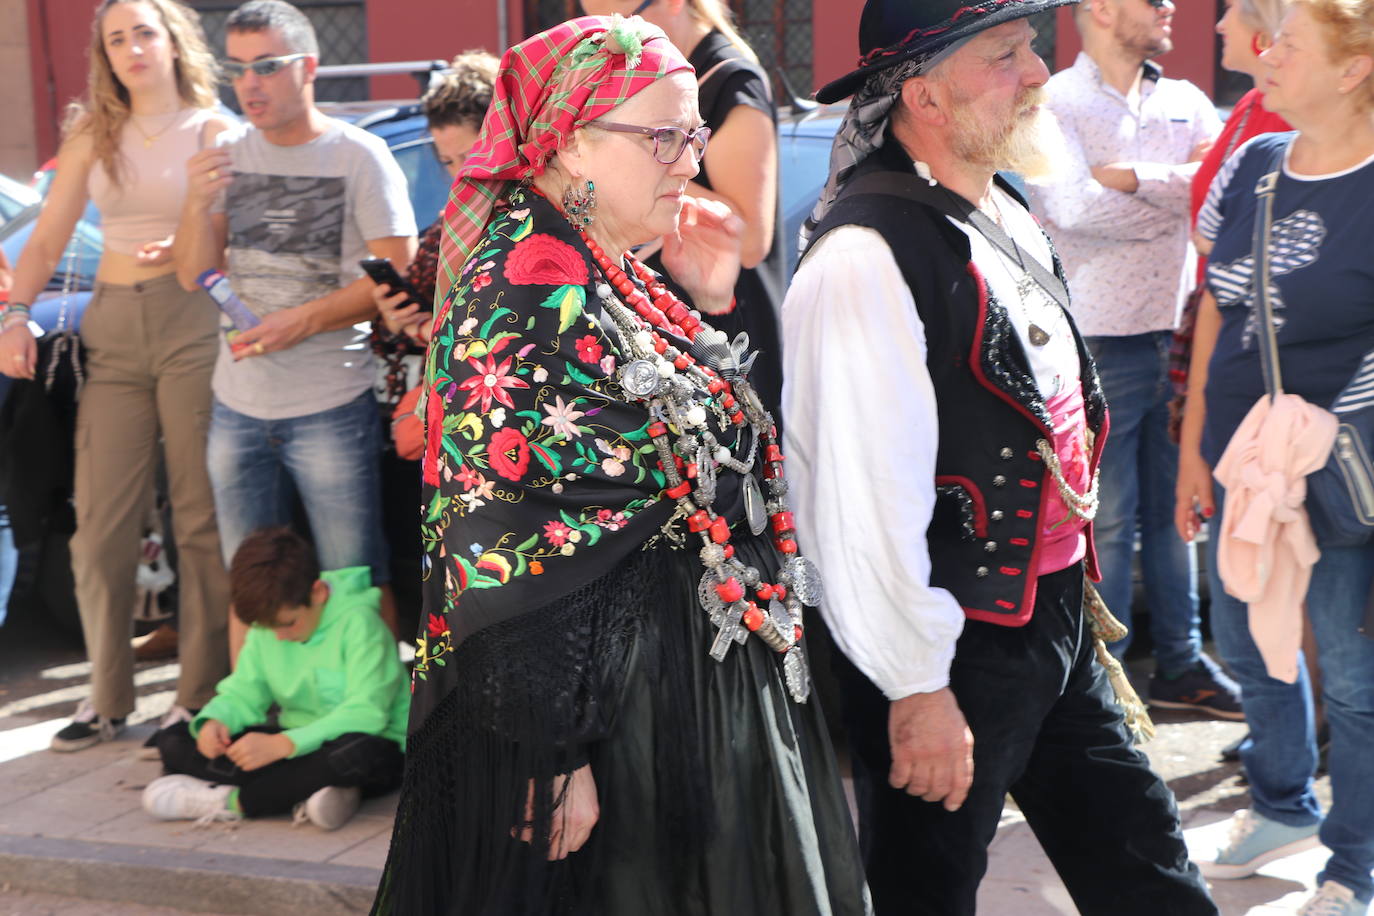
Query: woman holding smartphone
150	347
454	107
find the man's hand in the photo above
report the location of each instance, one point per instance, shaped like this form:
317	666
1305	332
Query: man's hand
279	330
573	819
256	750
213	739
208	173
1119	176
932	748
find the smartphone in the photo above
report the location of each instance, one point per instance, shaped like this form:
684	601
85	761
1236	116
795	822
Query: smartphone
381	270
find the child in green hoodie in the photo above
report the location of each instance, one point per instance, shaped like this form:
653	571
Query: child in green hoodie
318	649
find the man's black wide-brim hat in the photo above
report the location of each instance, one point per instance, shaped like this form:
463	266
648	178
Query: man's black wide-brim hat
892	31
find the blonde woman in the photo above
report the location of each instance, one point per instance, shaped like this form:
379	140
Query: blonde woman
1319	76
741	165
150	348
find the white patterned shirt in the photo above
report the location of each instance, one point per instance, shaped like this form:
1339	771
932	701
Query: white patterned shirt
1128	257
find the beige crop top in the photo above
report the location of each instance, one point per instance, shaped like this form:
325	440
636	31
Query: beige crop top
146	205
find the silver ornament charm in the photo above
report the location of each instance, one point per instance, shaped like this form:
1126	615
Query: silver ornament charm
754	509
805	580
797	673
710	599
640	379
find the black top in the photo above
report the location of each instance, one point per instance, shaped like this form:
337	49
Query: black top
759	291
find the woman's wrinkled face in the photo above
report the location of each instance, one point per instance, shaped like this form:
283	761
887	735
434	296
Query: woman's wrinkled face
138	45
1299	75
639	198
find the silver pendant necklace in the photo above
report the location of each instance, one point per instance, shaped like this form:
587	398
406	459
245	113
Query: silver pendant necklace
1027	289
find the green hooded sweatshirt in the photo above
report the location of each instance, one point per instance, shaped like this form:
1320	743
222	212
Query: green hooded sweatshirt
347	677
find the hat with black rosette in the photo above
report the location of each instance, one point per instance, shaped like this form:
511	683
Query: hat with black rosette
893	31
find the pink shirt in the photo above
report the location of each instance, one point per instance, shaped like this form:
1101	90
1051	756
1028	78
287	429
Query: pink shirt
1062	541
145	205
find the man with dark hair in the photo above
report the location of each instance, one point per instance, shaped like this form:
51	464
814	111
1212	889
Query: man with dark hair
288	206
316	648
1117	209
944	424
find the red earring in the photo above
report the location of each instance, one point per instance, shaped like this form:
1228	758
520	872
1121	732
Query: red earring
1256	46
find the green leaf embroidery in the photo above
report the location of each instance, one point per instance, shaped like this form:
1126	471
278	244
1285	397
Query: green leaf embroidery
569	300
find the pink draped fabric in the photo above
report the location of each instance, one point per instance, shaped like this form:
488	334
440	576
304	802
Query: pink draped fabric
1267	548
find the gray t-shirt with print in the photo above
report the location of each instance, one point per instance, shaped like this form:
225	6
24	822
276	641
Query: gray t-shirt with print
299	221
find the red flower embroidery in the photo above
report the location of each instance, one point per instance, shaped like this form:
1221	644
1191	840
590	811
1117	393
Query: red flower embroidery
509	453
437	626
589	349
543	259
491	381
481	282
557	533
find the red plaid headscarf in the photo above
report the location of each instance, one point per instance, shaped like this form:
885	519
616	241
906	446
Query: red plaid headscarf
547	87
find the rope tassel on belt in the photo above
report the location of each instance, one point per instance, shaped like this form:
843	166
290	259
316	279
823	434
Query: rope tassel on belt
1106	628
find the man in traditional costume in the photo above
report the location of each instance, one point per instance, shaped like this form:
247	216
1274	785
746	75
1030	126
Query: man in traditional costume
944	424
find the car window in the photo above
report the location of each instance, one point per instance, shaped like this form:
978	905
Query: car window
82	253
427	179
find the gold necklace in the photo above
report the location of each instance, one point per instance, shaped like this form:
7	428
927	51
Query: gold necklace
149	138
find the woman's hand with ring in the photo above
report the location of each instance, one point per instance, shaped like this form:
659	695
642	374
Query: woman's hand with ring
18	351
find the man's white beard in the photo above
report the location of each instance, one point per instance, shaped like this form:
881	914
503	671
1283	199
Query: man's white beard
1031	145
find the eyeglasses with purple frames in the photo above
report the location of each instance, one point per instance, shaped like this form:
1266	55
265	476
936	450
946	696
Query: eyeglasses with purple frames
669	142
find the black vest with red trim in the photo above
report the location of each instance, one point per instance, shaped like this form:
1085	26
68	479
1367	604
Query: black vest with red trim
991	484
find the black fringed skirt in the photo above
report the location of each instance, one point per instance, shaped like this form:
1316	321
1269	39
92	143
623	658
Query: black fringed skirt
719	795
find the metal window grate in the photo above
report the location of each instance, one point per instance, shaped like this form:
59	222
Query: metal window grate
340	26
780	33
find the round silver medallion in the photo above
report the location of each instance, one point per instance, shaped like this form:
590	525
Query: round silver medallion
640	379
805	579
754	509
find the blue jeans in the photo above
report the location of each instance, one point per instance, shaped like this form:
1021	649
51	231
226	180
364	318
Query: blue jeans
1280	756
1139	471
330	458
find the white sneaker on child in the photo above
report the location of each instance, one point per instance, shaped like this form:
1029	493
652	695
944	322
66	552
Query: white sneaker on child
329	808
183	797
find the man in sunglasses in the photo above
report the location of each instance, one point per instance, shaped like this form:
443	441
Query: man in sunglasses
1118	210
287	207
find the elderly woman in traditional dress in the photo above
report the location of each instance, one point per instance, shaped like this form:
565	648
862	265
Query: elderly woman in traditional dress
610	688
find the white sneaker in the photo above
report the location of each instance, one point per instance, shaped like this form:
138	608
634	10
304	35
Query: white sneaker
329	808
183	797
1253	842
1332	899
174	715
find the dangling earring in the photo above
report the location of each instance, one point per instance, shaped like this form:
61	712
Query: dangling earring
1258	47
580	207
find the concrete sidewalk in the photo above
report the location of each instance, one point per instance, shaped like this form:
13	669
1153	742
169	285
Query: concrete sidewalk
72	824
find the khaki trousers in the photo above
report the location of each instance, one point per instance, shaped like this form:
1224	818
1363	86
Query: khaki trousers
150	350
